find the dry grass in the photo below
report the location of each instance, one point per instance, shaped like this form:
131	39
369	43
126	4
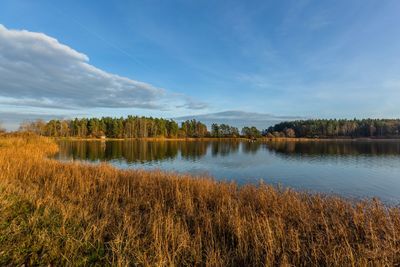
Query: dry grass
76	214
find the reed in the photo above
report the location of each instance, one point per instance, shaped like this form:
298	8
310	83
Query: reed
79	214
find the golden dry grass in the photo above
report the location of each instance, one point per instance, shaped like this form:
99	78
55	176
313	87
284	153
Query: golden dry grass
69	213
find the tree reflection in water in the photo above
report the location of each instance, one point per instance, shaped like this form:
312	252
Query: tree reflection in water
336	148
136	151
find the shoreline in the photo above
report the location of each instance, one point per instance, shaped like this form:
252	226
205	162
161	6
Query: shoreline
266	139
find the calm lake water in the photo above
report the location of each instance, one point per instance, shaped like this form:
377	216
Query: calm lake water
354	169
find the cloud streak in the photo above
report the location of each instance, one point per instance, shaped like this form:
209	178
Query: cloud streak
38	71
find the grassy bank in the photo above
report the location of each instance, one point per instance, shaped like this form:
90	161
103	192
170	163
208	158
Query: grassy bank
69	213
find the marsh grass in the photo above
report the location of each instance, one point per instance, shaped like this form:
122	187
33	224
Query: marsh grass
78	214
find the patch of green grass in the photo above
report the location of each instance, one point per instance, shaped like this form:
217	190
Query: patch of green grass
38	236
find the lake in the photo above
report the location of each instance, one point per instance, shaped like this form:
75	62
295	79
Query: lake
353	169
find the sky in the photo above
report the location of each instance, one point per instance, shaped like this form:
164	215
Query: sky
283	59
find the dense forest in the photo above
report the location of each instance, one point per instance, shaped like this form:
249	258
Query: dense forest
130	127
374	128
224	130
143	127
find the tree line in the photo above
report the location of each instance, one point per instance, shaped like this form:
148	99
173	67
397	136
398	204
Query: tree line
143	127
131	127
332	128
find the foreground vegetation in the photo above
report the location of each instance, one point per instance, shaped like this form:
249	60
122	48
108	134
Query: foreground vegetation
71	213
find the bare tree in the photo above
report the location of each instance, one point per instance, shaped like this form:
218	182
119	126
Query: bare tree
38	127
2	129
289	132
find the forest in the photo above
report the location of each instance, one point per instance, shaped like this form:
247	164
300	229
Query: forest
130	127
332	128
149	127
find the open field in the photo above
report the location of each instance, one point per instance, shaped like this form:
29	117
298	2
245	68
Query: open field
72	213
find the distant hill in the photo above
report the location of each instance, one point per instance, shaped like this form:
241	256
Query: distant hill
239	118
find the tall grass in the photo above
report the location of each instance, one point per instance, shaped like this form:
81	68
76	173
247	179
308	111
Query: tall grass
71	213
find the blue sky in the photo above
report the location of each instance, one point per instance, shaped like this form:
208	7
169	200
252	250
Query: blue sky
178	58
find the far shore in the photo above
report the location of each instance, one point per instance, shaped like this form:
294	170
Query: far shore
262	139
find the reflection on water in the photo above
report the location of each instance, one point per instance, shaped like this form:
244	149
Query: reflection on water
350	168
373	148
144	151
132	151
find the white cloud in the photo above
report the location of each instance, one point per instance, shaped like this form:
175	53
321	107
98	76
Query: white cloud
38	71
194	105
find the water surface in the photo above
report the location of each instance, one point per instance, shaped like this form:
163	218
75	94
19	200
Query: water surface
354	169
